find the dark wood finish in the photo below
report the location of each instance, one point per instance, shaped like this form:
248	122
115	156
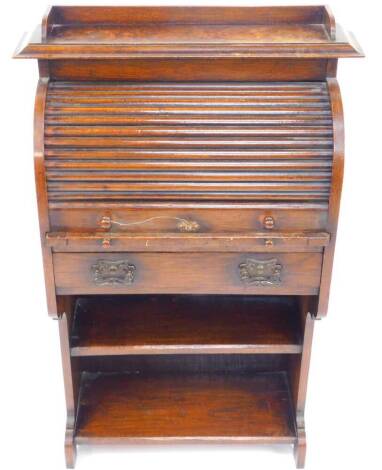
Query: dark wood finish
161	325
166	217
185	407
187	151
41	191
101	16
72	375
335	194
220	364
186	69
266	242
82	139
129	32
298	375
300	446
201	273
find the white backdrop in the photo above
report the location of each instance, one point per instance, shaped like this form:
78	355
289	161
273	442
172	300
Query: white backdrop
343	412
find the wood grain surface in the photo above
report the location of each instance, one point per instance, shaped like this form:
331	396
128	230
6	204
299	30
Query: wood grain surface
208	273
161	325
173	407
195	152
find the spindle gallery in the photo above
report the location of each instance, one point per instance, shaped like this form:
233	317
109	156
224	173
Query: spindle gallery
188	165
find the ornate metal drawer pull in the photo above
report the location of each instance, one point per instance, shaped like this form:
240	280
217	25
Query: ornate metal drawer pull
113	273
261	273
183	225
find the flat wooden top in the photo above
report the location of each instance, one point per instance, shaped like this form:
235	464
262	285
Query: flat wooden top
127	32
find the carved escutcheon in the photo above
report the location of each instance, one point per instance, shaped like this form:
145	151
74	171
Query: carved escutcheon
261	273
113	273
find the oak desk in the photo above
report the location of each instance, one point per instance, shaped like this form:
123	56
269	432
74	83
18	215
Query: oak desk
188	166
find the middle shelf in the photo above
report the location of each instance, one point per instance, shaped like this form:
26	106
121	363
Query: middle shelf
185	324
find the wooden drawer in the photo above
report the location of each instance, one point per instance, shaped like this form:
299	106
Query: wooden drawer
208	273
229	218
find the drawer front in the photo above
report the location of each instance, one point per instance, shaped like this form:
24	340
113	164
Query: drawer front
208	273
214	220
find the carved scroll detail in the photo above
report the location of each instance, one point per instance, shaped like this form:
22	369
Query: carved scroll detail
260	273
113	273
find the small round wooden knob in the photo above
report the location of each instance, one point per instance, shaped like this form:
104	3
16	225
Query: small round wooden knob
105	222
268	242
269	222
106	242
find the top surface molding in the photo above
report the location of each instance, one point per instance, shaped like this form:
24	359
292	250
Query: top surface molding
179	32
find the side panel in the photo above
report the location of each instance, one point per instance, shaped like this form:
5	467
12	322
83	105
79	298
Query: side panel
42	199
335	193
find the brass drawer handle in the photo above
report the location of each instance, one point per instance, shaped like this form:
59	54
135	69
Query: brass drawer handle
113	273
183	225
260	273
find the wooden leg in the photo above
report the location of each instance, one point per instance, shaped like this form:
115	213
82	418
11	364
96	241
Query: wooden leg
70	447
300	444
71	380
299	380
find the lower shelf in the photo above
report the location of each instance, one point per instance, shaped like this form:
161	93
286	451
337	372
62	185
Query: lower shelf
213	407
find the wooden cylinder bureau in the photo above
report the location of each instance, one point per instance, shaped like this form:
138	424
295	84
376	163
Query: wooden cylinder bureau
188	165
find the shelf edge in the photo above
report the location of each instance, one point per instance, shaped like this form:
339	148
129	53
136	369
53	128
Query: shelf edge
78	351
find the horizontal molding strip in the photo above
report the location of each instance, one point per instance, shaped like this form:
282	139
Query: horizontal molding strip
192	165
281	241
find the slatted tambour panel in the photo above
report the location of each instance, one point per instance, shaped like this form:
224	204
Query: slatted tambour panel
188	141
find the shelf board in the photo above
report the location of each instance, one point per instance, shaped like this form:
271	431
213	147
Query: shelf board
121	325
121	408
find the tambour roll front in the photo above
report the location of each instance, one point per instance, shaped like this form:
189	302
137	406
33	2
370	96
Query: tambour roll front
188	166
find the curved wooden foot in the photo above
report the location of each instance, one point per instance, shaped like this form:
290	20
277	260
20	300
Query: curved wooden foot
300	447
70	448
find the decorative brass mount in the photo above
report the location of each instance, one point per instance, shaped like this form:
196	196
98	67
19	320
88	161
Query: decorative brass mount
113	273
260	273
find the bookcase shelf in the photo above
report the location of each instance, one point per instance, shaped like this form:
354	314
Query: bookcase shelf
184	325
128	407
185	368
